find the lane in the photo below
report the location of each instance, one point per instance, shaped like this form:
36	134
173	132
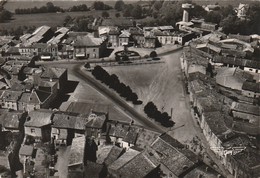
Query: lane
77	71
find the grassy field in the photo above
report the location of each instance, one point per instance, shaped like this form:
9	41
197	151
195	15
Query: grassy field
50	19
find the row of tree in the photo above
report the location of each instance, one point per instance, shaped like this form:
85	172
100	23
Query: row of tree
48	8
113	82
17	31
162	117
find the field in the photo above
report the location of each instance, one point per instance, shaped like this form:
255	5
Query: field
50	19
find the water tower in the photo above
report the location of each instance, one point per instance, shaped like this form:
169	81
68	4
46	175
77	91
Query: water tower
186	8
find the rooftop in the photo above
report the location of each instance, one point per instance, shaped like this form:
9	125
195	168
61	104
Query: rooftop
9	95
108	154
251	86
246	108
26	150
88	41
139	166
39	118
53	72
77	151
11	119
171	154
122	160
69	120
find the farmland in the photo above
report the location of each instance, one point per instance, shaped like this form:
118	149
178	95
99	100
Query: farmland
49	19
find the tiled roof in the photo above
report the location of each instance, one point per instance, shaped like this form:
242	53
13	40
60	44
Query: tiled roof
35	97
69	120
122	160
87	41
131	135
54	73
139	166
77	150
246	108
11	119
39	118
251	86
215	121
9	95
118	130
248	157
108	154
168	152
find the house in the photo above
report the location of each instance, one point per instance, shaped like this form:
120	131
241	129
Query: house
13	120
251	89
66	126
26	154
113	38
117	131
77	157
232	78
245	163
96	124
137	36
9	99
40	35
36	99
107	154
174	159
139	166
38	125
246	112
124	38
55	74
89	47
122	160
149	41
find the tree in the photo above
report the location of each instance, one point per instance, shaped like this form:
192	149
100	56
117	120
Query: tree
213	17
105	14
67	20
50	7
137	12
117	15
128	10
5	15
119	5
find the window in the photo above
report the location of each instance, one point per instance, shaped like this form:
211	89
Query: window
32	130
94	50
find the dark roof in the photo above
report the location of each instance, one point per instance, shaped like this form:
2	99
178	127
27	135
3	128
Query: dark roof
93	170
251	86
139	166
173	158
237	61
118	130
69	120
248	157
131	135
246	108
